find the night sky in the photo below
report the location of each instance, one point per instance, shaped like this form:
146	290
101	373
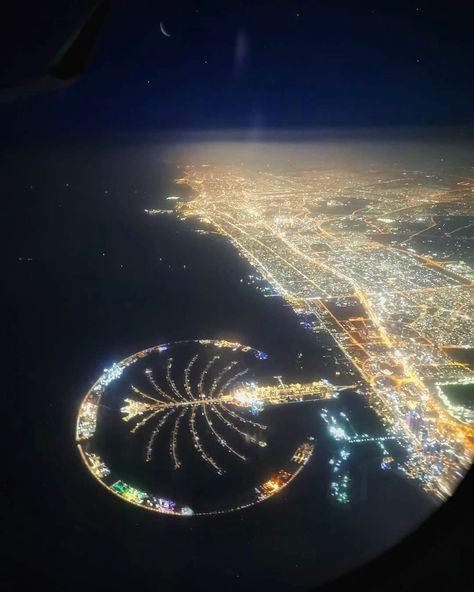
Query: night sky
266	64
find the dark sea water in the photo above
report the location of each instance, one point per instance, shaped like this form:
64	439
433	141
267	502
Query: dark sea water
106	280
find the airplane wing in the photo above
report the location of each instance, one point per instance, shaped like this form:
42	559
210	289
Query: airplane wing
70	62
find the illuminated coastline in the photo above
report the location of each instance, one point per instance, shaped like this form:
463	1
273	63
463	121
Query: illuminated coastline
395	312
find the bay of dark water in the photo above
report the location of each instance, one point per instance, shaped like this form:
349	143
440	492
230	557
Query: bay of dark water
90	279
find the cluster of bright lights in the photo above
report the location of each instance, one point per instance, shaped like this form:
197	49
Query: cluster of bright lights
342	432
408	307
209	396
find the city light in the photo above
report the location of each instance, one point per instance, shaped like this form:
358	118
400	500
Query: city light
328	243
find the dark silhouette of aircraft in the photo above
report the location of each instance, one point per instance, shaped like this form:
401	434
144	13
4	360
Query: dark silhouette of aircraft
70	62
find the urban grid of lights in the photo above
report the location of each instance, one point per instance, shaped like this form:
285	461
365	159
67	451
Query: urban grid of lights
355	255
353	250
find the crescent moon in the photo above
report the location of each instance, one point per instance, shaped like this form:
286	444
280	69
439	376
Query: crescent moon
163	30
